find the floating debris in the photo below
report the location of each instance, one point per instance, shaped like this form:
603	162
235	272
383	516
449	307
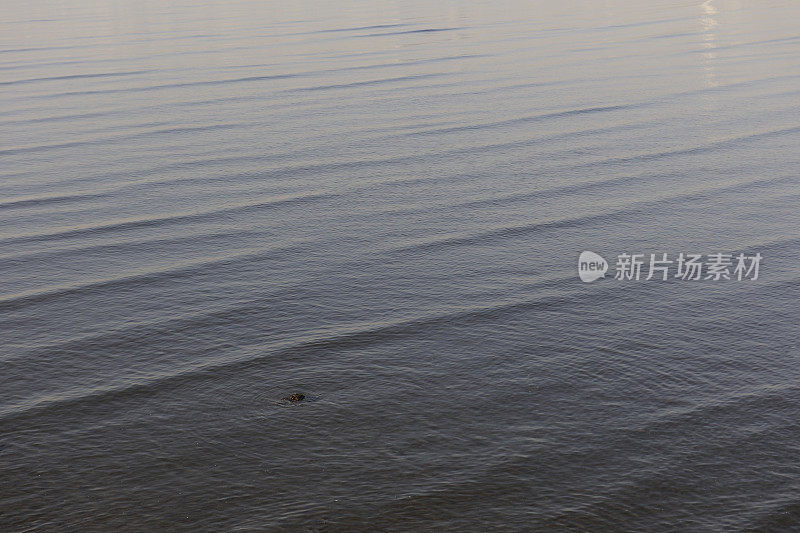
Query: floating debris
296	397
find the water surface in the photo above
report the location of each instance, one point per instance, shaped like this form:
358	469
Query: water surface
207	206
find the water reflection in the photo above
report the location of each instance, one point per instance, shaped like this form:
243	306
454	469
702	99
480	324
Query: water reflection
709	23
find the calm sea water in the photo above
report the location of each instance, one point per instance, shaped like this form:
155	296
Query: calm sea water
208	206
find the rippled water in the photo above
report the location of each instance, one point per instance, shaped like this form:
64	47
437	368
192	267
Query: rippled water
207	206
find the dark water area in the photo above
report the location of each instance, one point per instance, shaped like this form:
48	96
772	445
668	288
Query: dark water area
208	206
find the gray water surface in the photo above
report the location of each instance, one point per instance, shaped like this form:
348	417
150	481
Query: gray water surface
208	206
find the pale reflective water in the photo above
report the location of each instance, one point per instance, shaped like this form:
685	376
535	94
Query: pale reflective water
205	207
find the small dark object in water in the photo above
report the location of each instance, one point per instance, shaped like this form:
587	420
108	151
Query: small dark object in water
296	397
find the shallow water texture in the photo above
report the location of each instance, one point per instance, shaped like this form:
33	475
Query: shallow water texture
206	207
